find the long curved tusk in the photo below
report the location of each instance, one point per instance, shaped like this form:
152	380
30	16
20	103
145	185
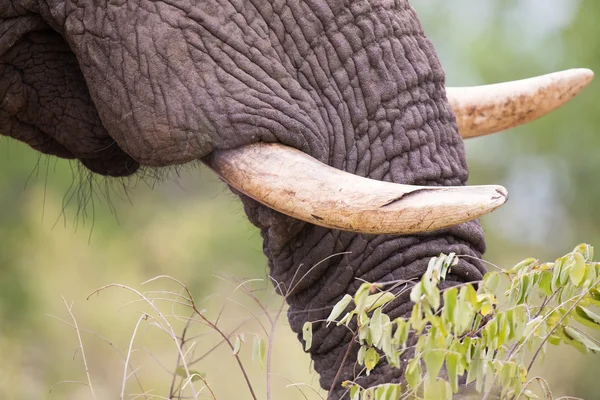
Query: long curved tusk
487	109
293	183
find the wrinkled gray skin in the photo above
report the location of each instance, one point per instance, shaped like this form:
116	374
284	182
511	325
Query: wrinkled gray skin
356	84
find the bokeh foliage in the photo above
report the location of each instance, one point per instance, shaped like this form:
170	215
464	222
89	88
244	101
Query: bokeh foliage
57	239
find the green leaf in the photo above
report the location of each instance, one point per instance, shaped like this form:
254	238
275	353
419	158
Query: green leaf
413	373
433	298
378	300
503	329
564	274
464	314
180	371
385	343
416	293
476	367
491	280
376	327
416	318
557	272
452	367
545	283
508	373
438	390
594	297
487	301
259	350
468	293
401	334
529	394
361	355
583	338
371	359
528	262
434	359
587	317
347	318
450	299
450	261
354	392
433	273
577	270
590	276
363	333
339	308
518	318
585	250
360	297
532	325
524	288
306	335
238	344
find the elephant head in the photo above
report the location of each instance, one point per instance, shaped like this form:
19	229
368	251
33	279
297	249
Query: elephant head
330	119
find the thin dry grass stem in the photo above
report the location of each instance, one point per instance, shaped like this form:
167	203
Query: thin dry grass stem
67	382
87	370
219	316
162	317
167	370
394	283
205	384
152	299
297	385
339	371
243	283
180	387
270	348
129	352
153	396
251	313
294	286
111	344
218	344
153	292
491	264
132	373
272	321
190	349
543	385
212	325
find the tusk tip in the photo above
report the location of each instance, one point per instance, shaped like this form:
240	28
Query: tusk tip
487	109
493	196
501	194
580	76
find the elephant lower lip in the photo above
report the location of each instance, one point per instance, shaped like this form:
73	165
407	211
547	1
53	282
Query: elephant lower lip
122	167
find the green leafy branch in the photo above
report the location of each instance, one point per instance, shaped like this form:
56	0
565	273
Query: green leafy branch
462	336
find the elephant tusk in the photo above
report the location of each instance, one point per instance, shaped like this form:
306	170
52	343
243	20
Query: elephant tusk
482	110
295	184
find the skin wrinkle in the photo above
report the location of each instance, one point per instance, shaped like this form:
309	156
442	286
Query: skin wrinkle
355	84
54	104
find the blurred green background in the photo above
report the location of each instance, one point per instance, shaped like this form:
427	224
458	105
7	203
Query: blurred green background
64	233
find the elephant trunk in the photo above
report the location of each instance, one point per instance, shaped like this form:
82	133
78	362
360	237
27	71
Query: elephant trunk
382	99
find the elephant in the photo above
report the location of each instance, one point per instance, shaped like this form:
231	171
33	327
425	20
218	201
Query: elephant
329	118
